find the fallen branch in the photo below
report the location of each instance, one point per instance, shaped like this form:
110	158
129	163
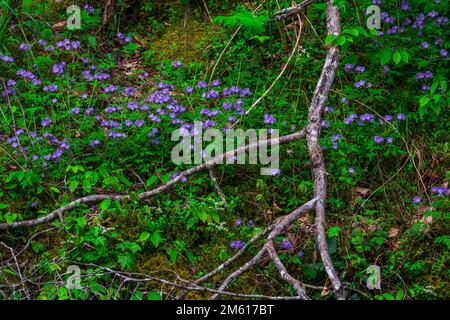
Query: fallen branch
219	191
292	11
279	226
285	274
313	130
100	197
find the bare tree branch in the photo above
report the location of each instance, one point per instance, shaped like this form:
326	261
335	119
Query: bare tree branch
100	197
292	11
313	129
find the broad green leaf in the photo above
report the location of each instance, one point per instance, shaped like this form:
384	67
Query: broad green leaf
329	39
202	215
144	236
434	87
190	256
104	205
73	184
385	56
405	56
126	261
388	296
397	57
156	239
154	296
340	40
81	222
87	186
424	101
10	217
54	189
151	181
173	255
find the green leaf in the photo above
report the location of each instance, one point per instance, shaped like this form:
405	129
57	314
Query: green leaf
156	239
333	231
329	39
87	186
340	40
385	56
104	205
81	222
397	57
444	85
173	255
92	41
405	56
215	216
3	205
131	46
54	189
190	256
133	247
422	111
144	236
10	217
388	296
151	181
154	296
126	261
73	184
353	32
202	215
434	87
138	295
424	101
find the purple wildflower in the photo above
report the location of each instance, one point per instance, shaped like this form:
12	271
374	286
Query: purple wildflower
46	122
177	64
236	244
269	119
189	90
286	245
439	191
360	69
24	47
360	83
378	139
350	119
51	88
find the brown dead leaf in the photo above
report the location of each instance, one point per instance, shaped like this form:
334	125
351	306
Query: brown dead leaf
325	292
393	232
427	220
59	25
360	192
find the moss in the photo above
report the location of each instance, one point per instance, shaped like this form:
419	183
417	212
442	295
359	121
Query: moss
185	40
